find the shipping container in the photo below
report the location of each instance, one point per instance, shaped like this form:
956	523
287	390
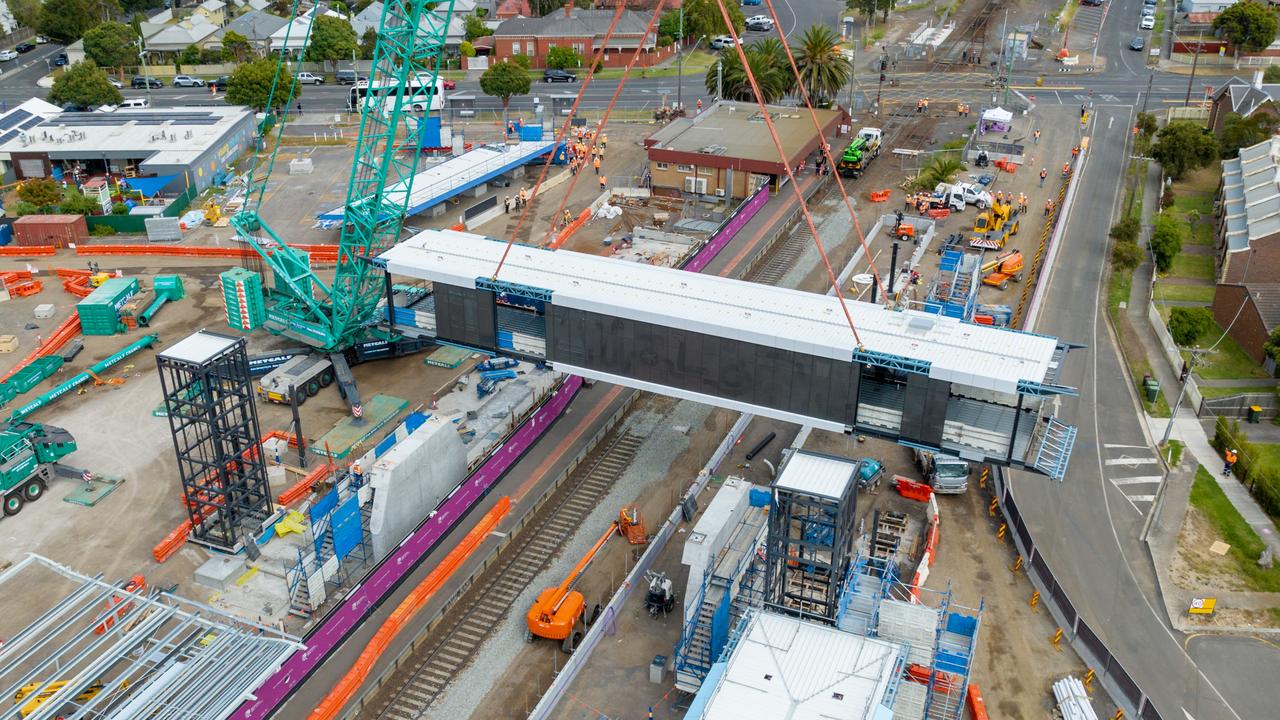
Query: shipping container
100	312
243	297
56	230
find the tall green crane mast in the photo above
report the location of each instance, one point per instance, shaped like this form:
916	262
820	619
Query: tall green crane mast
332	316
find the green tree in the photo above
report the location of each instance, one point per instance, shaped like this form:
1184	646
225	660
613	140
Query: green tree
41	193
466	49
1126	255
110	45
1126	231
22	208
235	47
563	58
1241	132
1184	145
1166	241
824	69
871	7
190	56
504	80
521	61
1270	75
84	84
1188	324
26	12
702	18
369	43
734	83
669	25
250	85
75	202
331	39
1248	25
940	169
68	20
1272	346
473	27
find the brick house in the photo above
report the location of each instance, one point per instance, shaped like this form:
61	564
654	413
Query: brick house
726	150
1243	98
582	30
1248	246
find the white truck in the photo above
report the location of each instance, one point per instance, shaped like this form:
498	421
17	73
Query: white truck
947	475
975	195
947	196
307	374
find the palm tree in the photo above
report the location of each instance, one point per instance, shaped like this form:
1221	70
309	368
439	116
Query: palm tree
734	82
773	49
824	69
940	169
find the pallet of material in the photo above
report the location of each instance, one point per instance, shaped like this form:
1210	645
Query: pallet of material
448	356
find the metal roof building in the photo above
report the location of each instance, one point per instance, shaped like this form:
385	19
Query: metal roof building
784	667
977	356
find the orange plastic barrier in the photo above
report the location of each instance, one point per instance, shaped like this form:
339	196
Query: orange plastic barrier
984	320
300	489
14	276
879	195
939	213
912	490
65	273
343	691
78	286
27	250
931	547
61	336
573	227
973	698
30	287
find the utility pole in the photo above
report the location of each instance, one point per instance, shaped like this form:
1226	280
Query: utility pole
1173	414
884	63
680	62
1195	60
719	78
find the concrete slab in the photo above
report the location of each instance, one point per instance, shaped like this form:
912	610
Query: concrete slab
219	572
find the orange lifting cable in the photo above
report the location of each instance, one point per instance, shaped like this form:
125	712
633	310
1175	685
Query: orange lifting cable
399	618
795	186
564	130
826	151
617	92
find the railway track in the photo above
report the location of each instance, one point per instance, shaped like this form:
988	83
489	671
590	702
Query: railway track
783	257
490	600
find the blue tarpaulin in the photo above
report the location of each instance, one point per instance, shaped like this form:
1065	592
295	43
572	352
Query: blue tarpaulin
150	186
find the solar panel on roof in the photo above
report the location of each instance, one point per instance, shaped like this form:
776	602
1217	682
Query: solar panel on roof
14	118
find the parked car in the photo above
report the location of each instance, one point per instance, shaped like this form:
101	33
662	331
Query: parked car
751	2
115	83
187	81
220	85
8	55
42	39
721	42
1095	3
759	23
137	103
76	107
1148	10
145	82
346	77
449	84
25	47
60	60
554	75
1138	43
1148	22
306	78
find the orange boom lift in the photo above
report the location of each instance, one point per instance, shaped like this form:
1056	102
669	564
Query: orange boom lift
558	613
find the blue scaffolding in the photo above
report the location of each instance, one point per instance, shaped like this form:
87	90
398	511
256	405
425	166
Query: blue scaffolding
955	288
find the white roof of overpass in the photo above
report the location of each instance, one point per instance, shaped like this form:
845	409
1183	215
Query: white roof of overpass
971	355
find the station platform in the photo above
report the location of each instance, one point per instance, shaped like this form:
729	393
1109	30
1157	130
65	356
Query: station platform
455	176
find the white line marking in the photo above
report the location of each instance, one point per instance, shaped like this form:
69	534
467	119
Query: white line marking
1138	480
1131	461
1142	498
1116	445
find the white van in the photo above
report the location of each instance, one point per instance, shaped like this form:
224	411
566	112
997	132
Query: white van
136	103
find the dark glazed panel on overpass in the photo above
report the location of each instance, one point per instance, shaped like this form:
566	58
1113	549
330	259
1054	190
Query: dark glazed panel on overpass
794	382
466	316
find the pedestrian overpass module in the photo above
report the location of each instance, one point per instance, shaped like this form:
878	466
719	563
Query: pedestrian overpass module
985	394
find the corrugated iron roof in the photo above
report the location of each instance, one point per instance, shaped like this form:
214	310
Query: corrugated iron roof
818	475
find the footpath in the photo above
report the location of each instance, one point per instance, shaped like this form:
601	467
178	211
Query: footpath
1187	428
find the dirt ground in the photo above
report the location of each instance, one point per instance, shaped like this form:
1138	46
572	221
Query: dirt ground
1194	567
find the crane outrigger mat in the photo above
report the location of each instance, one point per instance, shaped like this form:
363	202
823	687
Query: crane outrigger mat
350	434
91	492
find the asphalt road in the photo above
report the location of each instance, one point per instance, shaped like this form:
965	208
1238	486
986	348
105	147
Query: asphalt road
1088	526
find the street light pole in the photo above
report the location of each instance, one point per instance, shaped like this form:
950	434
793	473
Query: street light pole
680	62
1195	60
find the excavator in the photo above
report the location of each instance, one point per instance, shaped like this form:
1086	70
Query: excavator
559	613
997	273
994	226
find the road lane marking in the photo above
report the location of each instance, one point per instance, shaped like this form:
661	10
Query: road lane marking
1139	480
1131	461
1141	498
1116	445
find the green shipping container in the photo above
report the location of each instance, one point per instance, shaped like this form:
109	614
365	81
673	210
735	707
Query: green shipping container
243	299
100	311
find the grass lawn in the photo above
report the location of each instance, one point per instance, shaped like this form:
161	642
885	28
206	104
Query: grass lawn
1246	546
1201	234
1270	453
1173	452
1199	267
695	63
1187	202
1131	348
1210	391
1227	361
1193	293
1068	12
